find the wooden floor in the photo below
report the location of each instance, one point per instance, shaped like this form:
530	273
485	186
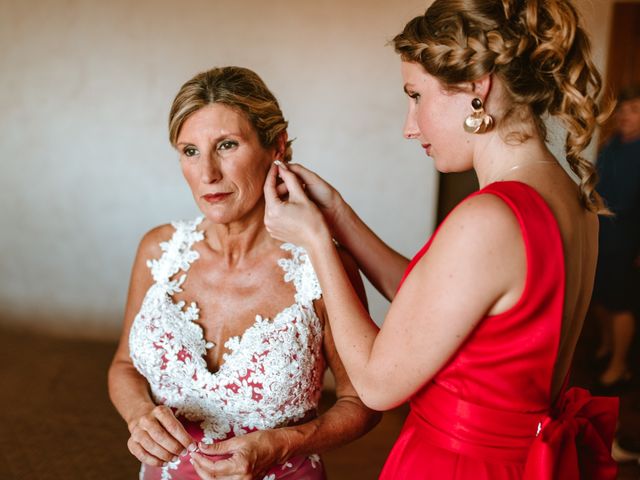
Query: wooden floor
56	421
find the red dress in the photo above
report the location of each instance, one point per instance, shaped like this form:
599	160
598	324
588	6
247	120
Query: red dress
488	413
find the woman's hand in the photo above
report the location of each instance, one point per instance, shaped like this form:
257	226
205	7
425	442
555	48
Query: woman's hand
244	458
327	198
158	437
297	220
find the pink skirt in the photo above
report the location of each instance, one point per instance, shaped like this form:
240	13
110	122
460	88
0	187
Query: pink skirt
297	468
303	467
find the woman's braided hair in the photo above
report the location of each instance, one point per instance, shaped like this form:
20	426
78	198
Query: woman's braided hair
538	50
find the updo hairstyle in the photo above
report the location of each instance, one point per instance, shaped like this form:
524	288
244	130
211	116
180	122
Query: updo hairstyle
238	88
540	53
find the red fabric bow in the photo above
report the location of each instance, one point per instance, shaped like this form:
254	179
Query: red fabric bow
574	443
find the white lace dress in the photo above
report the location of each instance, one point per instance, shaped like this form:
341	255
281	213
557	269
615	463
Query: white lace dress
271	377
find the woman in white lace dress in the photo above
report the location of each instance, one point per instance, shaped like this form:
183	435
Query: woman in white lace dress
225	340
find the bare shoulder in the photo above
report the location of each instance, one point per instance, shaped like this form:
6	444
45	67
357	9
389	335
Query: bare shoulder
478	252
483	219
149	247
141	280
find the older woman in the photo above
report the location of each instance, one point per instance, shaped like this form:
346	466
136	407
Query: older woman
225	340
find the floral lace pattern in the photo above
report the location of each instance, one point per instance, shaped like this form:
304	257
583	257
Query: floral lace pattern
273	373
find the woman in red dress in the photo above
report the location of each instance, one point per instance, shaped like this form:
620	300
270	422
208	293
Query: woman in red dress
484	320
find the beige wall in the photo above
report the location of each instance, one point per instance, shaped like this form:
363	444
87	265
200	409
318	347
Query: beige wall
86	167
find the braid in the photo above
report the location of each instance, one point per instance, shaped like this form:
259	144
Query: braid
539	51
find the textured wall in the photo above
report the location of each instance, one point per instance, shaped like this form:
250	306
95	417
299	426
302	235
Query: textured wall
86	168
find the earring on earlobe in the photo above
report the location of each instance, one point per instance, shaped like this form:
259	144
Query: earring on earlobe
479	121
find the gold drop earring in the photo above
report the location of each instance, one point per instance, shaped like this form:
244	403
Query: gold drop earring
479	121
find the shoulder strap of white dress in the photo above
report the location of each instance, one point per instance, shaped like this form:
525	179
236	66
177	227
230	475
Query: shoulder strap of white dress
176	252
298	269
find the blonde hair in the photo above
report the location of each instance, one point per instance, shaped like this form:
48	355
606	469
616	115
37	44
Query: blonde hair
538	50
238	88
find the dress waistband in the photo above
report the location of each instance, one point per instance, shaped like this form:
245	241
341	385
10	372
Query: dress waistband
475	430
572	440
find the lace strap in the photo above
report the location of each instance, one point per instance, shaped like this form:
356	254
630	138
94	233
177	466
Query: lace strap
177	254
299	270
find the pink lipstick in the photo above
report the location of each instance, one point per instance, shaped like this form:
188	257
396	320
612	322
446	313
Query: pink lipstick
215	197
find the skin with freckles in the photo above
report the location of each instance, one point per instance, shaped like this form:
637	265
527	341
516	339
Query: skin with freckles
479	335
478	254
428	99
225	165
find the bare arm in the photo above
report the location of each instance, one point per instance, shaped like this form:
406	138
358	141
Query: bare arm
348	418
381	264
475	266
156	435
345	421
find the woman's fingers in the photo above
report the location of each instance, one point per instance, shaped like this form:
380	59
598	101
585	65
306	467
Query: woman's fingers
282	190
158	437
293	184
215	467
305	175
270	186
156	449
203	463
175	437
235	467
295	220
224	447
143	455
142	443
317	189
165	430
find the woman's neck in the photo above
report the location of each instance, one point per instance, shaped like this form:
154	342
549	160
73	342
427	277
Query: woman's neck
496	160
236	241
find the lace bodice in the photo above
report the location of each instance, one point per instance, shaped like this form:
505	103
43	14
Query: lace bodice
273	373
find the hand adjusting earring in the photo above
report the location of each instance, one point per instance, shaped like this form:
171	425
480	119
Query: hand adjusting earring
479	121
